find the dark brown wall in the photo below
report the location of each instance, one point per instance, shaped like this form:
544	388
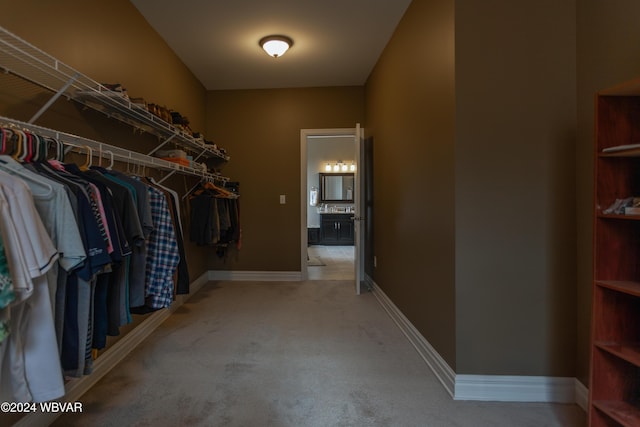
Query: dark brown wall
474	239
261	129
515	190
411	115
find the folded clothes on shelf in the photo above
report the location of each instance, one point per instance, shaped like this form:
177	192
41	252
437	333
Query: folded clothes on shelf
117	88
628	206
179	154
177	160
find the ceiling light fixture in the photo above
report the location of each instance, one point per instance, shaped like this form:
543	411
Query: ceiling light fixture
276	46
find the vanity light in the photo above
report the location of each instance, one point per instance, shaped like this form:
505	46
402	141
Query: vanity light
275	46
340	166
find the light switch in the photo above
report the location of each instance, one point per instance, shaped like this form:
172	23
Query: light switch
283	199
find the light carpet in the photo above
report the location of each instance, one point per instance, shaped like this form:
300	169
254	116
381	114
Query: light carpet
288	354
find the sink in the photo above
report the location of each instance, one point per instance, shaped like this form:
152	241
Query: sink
335	209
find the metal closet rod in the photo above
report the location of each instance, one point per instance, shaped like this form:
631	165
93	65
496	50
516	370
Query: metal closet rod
109	151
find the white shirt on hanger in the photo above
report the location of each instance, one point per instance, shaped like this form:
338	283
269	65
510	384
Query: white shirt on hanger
37	370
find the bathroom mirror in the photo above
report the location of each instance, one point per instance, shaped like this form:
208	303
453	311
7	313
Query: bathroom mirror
336	187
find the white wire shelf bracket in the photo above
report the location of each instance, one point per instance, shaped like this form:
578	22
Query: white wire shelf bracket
111	152
20	58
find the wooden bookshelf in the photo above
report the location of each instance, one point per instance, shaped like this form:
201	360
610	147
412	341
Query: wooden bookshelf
614	388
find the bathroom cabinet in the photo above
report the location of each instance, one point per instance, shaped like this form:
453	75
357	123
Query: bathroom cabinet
336	229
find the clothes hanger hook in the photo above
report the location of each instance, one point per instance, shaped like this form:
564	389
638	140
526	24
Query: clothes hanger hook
87	165
111	161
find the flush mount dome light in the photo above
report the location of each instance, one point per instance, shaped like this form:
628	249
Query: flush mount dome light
276	45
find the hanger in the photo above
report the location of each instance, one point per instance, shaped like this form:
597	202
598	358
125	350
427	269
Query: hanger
29	149
18	148
139	169
35	148
59	149
49	143
192	189
44	149
23	145
87	164
7	141
207	184
3	141
110	161
100	156
27	155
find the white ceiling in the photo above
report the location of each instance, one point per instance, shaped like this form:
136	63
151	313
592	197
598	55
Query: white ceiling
336	42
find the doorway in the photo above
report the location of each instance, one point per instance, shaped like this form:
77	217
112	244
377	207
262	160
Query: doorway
323	260
330	262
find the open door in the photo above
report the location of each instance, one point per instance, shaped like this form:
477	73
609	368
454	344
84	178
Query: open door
358	203
307	135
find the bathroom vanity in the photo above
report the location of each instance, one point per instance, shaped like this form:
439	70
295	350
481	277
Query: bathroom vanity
336	229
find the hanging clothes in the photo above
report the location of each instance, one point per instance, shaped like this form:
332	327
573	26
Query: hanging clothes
6	292
81	249
56	212
205	224
137	270
29	373
162	256
215	216
104	249
182	280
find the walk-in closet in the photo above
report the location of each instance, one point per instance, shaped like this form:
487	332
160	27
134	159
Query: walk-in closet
106	199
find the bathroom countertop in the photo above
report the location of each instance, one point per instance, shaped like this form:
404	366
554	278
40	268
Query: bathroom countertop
329	211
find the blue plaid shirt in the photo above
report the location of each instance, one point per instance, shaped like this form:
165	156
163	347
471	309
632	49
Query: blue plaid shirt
162	253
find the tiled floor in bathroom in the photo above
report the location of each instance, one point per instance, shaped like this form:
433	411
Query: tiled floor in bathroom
338	260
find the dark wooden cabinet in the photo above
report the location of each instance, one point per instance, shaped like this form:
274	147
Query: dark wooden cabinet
313	236
614	387
336	229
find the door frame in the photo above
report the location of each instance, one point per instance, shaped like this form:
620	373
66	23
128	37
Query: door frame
304	135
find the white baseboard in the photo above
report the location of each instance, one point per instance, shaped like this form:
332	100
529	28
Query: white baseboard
582	395
75	388
506	388
499	388
260	276
438	365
